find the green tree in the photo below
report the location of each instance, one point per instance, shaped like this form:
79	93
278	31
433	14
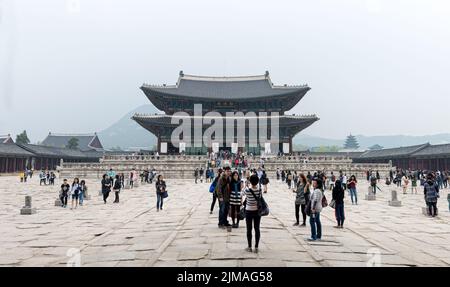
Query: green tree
22	138
351	143
73	143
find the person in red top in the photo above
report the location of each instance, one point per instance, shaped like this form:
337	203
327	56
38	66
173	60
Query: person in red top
351	184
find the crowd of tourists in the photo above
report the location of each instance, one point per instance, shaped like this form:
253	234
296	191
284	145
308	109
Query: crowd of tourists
47	178
77	191
225	157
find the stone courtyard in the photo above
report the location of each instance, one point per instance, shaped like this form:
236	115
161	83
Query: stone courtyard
132	233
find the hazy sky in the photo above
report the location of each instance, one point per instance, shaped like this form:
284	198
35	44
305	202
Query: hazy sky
376	67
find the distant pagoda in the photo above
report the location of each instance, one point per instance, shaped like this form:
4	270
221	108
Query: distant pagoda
351	143
224	94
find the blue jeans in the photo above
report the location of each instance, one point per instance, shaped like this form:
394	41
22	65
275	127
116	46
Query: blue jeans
223	212
159	200
340	215
316	226
353	194
81	197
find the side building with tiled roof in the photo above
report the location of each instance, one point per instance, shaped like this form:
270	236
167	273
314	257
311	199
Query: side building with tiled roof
423	157
85	142
46	157
13	158
18	157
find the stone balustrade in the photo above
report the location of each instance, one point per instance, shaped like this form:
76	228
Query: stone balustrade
179	166
112	158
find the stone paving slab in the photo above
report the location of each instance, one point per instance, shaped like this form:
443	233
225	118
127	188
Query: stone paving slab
184	234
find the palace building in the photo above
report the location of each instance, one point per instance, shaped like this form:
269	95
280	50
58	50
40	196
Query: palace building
245	97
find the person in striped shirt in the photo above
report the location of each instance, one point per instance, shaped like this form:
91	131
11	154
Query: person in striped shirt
252	218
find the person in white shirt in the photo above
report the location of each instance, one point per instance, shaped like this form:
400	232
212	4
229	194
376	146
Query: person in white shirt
75	192
405	183
344	183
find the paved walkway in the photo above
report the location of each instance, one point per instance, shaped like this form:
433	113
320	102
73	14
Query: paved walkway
132	233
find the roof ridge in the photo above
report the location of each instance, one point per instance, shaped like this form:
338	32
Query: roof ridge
75	135
409	146
224	78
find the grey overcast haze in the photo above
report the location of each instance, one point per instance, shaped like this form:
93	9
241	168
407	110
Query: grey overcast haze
376	67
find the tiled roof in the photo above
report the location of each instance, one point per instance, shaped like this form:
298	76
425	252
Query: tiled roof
434	150
225	87
85	142
393	152
47	151
6	139
154	123
13	150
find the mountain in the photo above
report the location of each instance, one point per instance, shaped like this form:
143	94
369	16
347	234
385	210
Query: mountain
311	141
127	134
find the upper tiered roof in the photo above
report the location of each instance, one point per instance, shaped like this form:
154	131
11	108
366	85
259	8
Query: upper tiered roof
200	89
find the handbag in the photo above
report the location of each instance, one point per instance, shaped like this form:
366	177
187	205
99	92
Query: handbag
263	208
324	201
241	214
164	194
308	208
333	203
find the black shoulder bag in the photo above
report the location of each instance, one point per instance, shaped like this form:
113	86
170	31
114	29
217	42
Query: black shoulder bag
263	208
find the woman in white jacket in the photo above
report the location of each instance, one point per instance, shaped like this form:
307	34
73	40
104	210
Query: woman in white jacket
316	208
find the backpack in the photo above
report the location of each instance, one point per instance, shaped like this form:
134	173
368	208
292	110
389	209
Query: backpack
212	187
